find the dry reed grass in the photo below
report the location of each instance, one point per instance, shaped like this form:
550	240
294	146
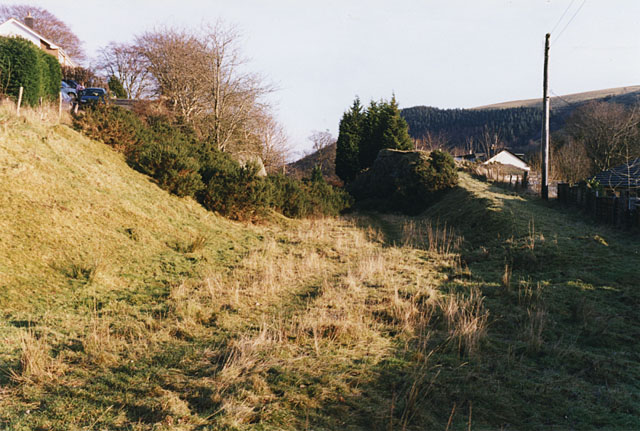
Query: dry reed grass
427	236
37	365
466	319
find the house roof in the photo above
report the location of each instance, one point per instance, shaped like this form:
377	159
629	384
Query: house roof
508	152
623	176
28	30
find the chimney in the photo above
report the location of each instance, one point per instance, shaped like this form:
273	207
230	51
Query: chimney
28	21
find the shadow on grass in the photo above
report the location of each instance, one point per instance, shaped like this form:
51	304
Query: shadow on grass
562	344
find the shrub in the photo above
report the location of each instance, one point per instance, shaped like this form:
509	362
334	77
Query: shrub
311	197
116	127
20	66
404	181
179	162
172	165
233	190
51	76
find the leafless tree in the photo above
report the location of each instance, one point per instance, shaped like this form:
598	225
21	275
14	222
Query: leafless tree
569	162
275	148
177	62
431	141
126	63
490	142
324	155
48	25
608	131
202	76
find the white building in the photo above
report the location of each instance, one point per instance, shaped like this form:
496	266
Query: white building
505	157
13	27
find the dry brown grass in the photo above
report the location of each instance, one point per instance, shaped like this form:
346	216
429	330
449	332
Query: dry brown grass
426	235
37	365
47	113
467	320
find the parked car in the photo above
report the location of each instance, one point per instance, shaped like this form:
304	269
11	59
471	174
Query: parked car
71	83
69	93
92	95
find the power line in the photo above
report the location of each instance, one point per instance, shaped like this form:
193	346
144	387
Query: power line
570	21
563	14
562	98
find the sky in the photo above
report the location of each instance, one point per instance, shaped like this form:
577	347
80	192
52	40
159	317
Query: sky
321	54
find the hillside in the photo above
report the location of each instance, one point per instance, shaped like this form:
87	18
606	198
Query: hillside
126	308
325	158
518	123
620	95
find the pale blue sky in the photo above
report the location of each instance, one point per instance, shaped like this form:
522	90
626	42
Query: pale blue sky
447	53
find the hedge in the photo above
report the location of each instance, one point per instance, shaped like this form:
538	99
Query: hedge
22	64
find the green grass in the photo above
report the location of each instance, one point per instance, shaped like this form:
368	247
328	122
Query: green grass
125	308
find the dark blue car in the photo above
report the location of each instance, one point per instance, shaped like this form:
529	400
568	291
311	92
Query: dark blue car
92	95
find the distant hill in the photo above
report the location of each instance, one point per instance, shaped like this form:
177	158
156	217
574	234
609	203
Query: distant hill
325	158
620	95
518	123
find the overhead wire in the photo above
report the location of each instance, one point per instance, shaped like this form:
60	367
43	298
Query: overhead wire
562	98
570	21
562	16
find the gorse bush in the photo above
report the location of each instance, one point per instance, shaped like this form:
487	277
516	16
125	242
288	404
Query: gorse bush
116	127
404	181
22	64
180	163
311	197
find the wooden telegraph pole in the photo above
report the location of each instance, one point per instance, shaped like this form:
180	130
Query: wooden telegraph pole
544	189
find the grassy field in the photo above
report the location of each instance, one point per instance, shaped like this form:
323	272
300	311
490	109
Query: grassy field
125	308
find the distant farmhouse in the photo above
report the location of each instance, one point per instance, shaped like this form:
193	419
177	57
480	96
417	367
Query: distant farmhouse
506	157
13	27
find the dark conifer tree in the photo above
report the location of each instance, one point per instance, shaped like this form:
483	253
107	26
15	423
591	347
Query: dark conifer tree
348	144
383	128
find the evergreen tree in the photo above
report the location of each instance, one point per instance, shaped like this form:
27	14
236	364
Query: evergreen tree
348	144
395	129
371	137
383	128
116	87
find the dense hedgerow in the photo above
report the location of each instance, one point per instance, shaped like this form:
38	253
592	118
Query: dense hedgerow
22	64
182	164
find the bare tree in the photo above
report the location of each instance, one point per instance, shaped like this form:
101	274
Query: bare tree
275	148
177	62
48	25
322	141
608	131
569	162
490	143
126	63
431	141
203	77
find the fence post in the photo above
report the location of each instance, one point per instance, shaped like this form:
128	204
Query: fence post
19	101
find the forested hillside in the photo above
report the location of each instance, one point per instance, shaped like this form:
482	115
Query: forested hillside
516	124
461	128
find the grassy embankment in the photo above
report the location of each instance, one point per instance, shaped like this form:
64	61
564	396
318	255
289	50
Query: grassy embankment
126	308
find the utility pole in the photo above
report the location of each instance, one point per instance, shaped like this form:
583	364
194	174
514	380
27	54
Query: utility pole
544	189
